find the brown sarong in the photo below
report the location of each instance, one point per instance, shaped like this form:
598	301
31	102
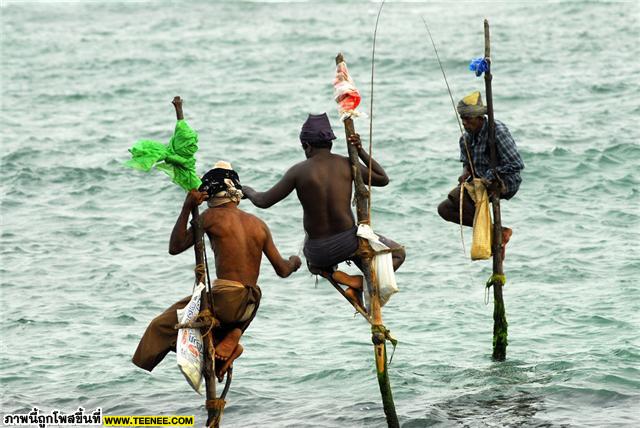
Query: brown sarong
234	305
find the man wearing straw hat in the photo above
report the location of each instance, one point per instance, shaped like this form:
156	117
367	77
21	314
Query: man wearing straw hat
476	160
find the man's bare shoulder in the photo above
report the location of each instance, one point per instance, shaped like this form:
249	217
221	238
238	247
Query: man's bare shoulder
255	223
220	218
341	158
298	167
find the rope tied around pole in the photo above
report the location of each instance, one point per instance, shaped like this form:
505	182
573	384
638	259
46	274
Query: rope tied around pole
216	404
380	333
208	319
200	271
497	279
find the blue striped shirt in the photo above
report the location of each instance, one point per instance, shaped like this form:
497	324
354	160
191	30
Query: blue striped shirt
509	162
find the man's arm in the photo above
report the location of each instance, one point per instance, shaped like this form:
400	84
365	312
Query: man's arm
466	173
177	103
283	267
466	170
181	237
378	175
509	159
274	195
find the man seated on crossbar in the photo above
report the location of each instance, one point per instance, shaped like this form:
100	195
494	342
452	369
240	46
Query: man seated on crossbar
324	185
238	240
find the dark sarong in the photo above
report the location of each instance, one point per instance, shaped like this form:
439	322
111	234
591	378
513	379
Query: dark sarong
328	252
235	306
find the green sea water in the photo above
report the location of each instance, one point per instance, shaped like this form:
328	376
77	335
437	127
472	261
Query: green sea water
84	261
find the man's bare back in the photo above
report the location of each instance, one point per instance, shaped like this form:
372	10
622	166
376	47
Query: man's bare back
238	240
323	184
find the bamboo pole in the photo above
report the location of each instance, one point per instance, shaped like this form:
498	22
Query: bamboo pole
497	279
378	330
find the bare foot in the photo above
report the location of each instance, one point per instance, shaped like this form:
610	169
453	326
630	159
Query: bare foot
238	350
506	235
227	346
351	281
354	295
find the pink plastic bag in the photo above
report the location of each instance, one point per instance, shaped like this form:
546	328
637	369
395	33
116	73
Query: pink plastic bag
345	92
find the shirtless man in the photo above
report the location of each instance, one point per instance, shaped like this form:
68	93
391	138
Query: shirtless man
323	184
238	240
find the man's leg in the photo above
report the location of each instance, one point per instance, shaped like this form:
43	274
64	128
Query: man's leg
506	235
159	338
223	366
353	282
230	307
397	257
225	348
449	209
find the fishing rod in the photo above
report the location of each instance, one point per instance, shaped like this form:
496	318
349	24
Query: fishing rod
453	104
373	61
455	112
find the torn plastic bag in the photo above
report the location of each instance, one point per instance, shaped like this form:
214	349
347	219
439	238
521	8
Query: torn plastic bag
190	346
383	265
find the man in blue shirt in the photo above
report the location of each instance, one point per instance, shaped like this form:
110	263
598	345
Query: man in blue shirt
476	162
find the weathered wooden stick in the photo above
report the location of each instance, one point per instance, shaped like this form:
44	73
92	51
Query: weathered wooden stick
213	414
377	328
499	316
355	305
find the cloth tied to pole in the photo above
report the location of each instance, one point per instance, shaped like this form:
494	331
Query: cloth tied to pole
345	93
382	264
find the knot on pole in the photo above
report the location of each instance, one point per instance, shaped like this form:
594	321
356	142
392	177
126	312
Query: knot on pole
497	279
208	320
377	338
379	333
216	406
200	270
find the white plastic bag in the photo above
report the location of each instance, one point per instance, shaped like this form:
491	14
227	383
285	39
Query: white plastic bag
383	265
189	346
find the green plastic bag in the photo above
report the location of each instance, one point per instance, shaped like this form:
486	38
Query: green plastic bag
176	159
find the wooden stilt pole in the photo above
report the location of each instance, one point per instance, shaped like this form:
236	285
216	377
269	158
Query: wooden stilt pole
379	333
497	279
214	407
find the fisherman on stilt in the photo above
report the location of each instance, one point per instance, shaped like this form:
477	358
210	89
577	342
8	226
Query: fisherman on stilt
476	160
238	239
324	186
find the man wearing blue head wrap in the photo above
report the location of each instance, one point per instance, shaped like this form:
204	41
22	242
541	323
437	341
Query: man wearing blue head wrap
323	183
